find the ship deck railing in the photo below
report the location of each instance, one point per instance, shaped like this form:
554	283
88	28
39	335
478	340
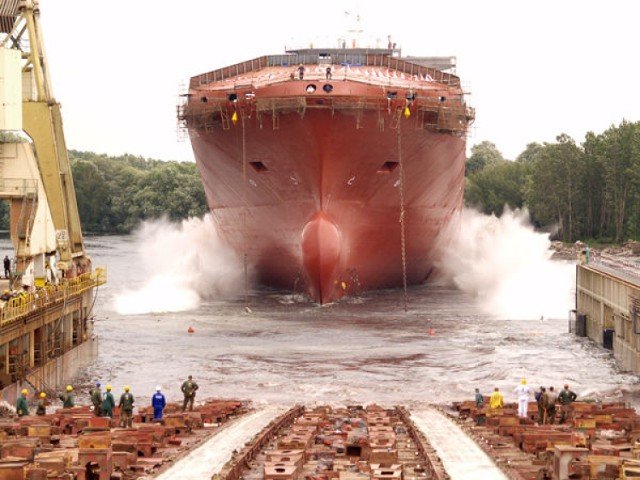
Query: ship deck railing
343	60
370	75
24	303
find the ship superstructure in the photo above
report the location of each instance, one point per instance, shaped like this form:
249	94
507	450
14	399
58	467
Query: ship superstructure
332	171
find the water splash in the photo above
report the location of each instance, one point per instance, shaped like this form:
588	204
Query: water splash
508	267
184	263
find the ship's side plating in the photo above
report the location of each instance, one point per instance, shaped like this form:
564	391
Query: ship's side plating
335	183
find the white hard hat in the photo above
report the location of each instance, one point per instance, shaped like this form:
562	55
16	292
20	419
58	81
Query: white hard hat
158	388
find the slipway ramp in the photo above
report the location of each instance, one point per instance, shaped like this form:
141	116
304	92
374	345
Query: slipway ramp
209	458
461	457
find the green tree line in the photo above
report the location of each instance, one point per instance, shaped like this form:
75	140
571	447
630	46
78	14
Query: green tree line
115	193
586	191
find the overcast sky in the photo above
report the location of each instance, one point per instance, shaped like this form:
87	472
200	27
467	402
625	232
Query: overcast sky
534	69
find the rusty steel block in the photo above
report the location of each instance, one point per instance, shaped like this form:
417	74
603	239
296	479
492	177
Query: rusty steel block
294	442
382	442
378	455
33	473
175	421
101	439
376	420
386	474
272	455
281	472
296	460
12	470
347	475
18	450
611	450
97	460
380	428
564	459
99	423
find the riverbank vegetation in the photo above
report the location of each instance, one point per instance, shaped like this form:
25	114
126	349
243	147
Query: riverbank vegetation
588	191
115	193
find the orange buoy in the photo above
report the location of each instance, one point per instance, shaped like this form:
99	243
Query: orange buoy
190	330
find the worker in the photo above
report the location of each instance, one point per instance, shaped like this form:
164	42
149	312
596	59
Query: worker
479	398
189	388
126	408
542	399
158	402
96	399
496	400
552	399
22	408
42	404
301	71
522	391
108	402
566	397
67	398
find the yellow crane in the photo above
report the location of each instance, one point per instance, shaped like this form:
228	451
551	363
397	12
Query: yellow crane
42	122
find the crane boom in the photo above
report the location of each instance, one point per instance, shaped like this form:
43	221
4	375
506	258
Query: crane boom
42	121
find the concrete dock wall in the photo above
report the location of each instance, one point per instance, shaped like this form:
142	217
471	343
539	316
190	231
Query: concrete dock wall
610	301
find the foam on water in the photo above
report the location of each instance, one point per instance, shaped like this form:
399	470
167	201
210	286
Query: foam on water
502	261
507	265
183	264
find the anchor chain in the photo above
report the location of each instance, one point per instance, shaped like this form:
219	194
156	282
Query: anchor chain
403	241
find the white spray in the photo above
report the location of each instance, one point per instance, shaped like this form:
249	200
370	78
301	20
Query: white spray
184	263
508	266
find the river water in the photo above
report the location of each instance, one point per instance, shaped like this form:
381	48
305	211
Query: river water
497	317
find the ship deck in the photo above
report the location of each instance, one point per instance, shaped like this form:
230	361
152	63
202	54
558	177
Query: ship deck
379	76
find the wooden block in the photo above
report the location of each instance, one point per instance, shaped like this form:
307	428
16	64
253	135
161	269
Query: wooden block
39	430
386	456
174	421
12	470
584	423
95	440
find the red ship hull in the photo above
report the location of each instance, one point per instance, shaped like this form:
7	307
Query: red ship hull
317	195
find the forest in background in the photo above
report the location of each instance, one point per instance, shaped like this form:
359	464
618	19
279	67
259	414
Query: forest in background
586	191
115	193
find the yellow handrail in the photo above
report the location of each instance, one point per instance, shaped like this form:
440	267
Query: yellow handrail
26	303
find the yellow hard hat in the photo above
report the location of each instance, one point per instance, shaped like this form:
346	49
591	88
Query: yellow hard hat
43	395
69	388
524	382
24	392
126	389
108	387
